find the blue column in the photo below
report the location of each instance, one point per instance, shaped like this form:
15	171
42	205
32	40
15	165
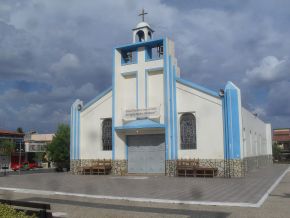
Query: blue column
75	130
232	122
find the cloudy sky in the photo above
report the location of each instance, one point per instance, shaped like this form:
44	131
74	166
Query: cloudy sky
54	51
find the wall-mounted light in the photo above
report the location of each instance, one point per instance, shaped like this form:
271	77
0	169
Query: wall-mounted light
221	93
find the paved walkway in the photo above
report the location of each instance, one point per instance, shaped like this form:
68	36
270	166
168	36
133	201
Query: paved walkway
247	191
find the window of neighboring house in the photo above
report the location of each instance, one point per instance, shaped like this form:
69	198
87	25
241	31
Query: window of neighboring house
107	134
188	131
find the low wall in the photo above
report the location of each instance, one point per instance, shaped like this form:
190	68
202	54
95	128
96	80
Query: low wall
119	167
255	162
226	168
231	168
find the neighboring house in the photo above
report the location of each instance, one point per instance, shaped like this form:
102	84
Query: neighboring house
36	144
282	138
151	117
18	139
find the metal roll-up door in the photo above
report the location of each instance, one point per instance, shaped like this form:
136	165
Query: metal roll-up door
146	154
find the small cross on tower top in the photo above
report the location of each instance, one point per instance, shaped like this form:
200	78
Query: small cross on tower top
143	14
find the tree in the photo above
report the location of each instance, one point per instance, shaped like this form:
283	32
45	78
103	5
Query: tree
58	149
276	151
7	147
19	130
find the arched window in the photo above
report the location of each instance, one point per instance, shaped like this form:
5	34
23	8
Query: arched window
141	36
188	131
107	134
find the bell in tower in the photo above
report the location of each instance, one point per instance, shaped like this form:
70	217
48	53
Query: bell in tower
143	31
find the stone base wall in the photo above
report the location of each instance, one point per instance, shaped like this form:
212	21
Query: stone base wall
119	167
234	168
226	168
252	163
74	164
230	168
170	168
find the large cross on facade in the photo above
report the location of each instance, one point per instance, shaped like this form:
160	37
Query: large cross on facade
143	14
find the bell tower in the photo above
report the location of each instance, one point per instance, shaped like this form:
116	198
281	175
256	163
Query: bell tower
143	31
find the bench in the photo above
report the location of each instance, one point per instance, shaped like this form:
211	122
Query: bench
191	167
100	167
206	172
86	170
38	209
186	167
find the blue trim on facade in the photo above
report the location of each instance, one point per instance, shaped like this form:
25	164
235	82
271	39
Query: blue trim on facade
133	46
102	94
197	87
232	122
160	126
226	144
113	106
140	124
165	98
146	88
75	133
171	107
78	142
126	147
175	114
137	90
71	134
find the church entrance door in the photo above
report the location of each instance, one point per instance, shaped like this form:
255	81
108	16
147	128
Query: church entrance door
146	154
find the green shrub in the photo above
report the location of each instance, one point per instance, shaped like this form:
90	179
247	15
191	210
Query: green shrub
276	152
9	212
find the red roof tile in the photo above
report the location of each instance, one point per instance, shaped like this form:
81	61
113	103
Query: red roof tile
9	132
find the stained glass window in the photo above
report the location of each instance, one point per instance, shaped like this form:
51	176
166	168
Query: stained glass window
107	134
188	131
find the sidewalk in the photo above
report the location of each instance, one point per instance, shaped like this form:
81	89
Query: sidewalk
246	191
276	205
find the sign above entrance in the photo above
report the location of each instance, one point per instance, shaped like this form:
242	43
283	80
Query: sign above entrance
133	114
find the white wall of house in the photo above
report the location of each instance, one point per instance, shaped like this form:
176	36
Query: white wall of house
209	122
256	135
91	128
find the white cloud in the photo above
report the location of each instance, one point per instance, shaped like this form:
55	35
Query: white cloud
67	62
69	47
259	111
270	69
86	90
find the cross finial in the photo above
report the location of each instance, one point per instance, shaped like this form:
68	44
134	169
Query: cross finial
143	14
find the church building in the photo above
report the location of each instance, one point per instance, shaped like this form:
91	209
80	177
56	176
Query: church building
150	117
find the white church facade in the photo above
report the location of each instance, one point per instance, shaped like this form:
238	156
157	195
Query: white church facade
150	117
